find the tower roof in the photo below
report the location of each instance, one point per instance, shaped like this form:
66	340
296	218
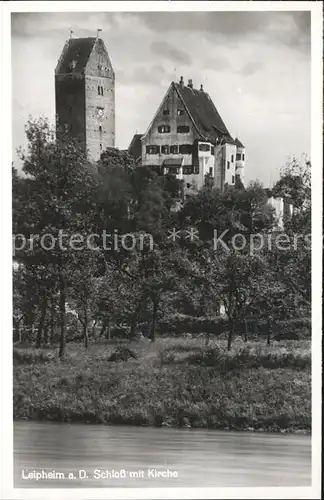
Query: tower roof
76	52
203	112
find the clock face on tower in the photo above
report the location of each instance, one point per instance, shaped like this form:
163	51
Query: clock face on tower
100	113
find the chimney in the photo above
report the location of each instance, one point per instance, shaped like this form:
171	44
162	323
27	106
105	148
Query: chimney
201	88
190	85
181	81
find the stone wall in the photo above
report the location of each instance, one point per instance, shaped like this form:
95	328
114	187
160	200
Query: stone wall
94	103
100	128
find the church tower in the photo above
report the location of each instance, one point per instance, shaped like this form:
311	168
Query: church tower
85	94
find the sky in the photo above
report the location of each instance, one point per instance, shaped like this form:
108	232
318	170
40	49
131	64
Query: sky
254	65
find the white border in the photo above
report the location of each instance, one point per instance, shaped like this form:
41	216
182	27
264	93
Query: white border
6	423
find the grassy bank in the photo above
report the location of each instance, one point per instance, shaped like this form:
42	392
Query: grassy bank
176	382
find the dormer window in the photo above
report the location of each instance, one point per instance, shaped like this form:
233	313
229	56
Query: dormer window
180	112
166	112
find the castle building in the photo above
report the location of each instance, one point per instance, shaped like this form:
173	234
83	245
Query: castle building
85	94
187	137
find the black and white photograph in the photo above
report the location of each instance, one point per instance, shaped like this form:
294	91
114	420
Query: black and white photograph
162	167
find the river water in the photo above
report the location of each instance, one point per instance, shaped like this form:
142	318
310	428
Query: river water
104	456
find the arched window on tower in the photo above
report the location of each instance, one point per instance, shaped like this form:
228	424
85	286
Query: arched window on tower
98	89
101	90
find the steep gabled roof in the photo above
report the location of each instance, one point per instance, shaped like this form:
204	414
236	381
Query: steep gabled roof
77	50
203	112
135	147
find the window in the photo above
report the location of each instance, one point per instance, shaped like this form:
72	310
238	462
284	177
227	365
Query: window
166	112
183	129
210	170
100	129
233	179
98	89
174	150
213	150
228	165
152	150
243	157
180	112
232	158
185	149
164	129
187	170
196	170
165	150
204	147
188	185
238	156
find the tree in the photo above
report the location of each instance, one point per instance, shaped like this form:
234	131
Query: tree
61	188
294	265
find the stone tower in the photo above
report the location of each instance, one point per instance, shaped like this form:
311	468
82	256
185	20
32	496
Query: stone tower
85	94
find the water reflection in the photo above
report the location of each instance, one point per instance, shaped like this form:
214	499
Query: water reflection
195	457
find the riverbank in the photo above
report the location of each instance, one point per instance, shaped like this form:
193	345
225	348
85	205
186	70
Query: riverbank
174	382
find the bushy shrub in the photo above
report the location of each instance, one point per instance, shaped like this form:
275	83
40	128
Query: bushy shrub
293	329
122	354
181	324
289	329
119	331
